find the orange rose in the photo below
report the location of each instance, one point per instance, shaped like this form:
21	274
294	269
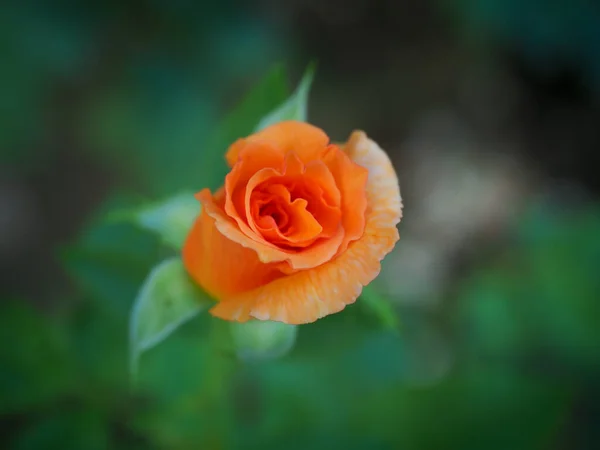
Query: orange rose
299	228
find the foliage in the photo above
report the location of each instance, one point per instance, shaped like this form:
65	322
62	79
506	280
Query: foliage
353	380
510	361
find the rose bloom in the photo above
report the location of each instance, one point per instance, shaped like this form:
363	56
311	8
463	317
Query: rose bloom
299	227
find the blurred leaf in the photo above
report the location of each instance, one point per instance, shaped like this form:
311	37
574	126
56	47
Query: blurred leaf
350	326
173	370
170	219
539	297
561	267
491	407
99	340
35	363
380	307
258	339
295	107
491	320
66	430
316	389
167	299
188	374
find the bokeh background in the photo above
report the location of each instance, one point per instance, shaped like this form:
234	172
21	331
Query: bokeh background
490	110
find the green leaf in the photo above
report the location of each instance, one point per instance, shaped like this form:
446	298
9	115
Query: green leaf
259	340
295	107
170	219
380	307
167	299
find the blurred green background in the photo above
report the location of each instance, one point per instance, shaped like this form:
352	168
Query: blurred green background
490	111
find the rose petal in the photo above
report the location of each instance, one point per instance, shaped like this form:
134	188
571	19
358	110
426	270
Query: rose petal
257	158
222	276
351	179
305	139
320	186
311	215
308	295
290	260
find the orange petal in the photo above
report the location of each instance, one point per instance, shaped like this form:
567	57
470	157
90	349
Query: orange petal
303	224
256	158
308	295
305	139
221	266
320	186
351	179
305	227
291	260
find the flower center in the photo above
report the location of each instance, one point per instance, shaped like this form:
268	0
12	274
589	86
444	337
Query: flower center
275	211
293	212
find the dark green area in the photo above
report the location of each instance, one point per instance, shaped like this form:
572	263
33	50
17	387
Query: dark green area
511	361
